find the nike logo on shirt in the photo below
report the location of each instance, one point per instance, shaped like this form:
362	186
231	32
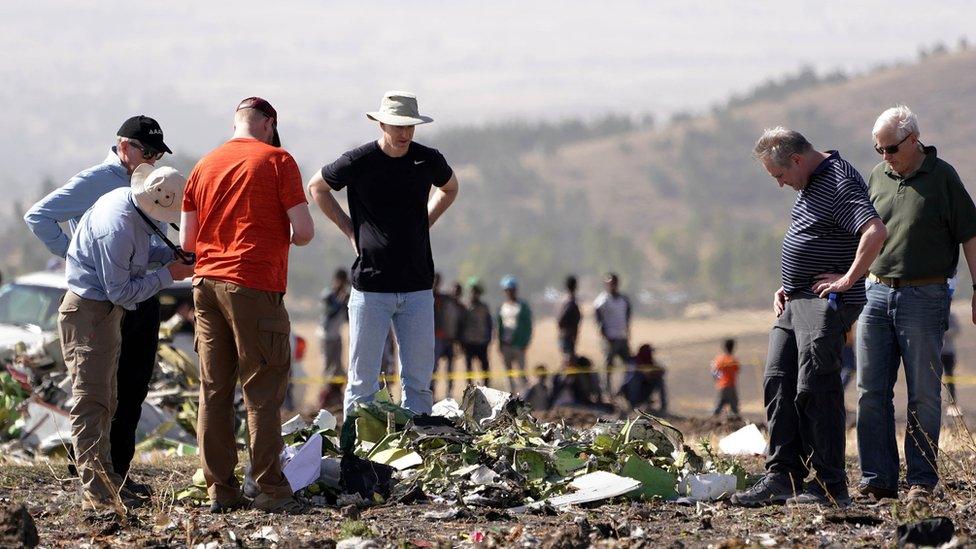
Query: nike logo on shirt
415	162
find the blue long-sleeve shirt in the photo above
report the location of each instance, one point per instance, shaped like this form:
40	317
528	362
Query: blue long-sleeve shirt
110	253
69	202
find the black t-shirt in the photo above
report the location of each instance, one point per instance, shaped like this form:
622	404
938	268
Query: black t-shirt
388	206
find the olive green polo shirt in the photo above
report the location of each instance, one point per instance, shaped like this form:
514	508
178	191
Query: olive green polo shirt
928	215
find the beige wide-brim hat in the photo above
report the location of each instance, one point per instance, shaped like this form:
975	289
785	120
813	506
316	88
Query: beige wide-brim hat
158	192
399	108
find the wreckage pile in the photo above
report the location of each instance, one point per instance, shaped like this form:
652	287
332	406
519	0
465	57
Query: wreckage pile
35	398
489	451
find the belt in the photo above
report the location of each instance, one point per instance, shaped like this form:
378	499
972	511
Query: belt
899	282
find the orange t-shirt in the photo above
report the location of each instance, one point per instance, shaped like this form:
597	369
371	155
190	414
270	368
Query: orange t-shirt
726	369
242	191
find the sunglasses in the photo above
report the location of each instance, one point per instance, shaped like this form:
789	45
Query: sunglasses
148	153
891	149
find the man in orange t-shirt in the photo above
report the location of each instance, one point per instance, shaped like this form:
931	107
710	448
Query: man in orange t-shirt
244	205
725	370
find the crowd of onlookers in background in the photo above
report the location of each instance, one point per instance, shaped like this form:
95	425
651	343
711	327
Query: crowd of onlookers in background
465	327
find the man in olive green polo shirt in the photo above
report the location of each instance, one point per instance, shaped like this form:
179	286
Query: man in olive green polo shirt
928	214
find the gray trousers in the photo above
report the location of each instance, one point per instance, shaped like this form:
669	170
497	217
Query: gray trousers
803	393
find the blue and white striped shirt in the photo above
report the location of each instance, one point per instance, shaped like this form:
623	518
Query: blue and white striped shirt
824	231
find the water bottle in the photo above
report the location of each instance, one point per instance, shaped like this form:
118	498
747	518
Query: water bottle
832	301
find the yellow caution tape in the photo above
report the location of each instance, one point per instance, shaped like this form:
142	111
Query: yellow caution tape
966	381
477	376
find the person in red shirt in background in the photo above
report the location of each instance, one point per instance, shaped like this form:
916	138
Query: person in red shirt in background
725	370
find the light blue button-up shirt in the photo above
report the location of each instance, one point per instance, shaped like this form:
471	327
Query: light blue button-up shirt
110	252
69	202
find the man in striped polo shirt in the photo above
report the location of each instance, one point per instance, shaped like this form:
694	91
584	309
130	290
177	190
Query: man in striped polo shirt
833	237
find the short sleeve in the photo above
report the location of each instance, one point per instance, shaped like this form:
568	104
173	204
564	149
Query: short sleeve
962	212
852	205
290	190
339	173
440	171
189	202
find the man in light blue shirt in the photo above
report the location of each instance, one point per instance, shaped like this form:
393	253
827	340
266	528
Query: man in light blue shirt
139	140
109	270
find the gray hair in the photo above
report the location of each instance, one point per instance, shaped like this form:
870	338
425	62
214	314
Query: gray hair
119	140
900	118
778	144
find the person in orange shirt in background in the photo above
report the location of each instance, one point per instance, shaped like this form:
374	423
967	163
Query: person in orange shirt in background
725	370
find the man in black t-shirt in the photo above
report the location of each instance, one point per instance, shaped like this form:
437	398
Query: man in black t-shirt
388	186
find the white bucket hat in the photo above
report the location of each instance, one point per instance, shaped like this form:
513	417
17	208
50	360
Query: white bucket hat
158	192
399	108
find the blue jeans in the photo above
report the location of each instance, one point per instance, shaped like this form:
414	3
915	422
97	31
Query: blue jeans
900	325
371	314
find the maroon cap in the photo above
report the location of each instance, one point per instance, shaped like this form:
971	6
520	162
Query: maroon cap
265	108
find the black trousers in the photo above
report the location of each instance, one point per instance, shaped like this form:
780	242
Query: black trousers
140	338
477	351
803	393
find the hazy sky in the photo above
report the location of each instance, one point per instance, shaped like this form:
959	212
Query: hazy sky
323	63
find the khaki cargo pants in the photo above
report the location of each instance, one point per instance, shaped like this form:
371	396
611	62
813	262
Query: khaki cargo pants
241	334
91	337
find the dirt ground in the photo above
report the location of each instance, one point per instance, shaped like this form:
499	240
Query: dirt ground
684	346
51	498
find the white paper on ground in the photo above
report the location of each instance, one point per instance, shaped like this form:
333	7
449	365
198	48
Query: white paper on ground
325	420
293	425
305	464
448	408
593	486
707	487
746	441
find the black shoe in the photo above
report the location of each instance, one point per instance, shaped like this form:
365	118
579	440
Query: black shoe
876	493
816	495
773	488
137	489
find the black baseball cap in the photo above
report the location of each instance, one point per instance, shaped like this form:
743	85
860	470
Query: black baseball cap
146	130
266	109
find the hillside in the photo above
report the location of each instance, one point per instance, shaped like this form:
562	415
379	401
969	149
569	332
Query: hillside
680	209
692	185
660	174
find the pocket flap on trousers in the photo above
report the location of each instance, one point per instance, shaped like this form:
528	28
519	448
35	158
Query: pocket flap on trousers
275	325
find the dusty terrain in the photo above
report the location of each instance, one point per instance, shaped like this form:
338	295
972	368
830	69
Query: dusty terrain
685	346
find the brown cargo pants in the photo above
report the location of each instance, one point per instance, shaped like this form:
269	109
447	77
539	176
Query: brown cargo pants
241	334
91	337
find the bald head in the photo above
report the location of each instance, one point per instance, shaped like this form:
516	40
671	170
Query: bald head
253	123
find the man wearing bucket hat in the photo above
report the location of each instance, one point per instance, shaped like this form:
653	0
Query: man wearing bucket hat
391	210
109	271
243	208
139	140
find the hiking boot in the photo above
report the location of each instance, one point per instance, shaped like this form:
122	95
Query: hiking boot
135	489
97	504
773	488
814	494
220	507
279	506
919	493
876	493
